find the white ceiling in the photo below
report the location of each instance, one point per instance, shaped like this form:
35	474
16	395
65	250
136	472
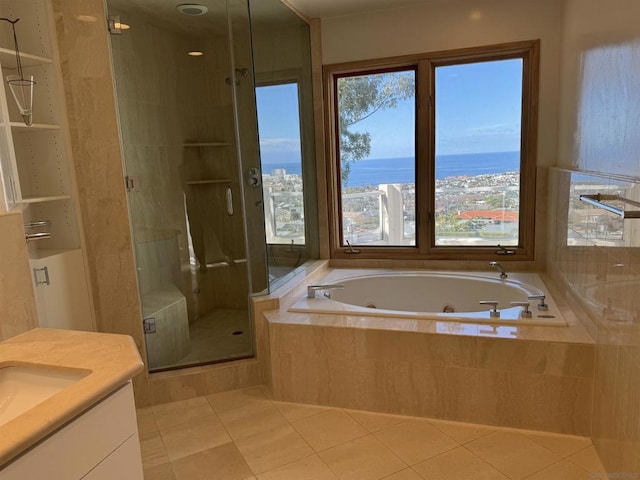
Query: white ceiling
334	8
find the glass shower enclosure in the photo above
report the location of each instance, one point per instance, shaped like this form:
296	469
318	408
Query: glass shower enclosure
186	102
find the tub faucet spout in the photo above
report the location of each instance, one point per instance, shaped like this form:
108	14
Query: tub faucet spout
311	289
503	274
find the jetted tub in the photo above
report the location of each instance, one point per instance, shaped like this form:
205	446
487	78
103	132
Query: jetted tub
435	295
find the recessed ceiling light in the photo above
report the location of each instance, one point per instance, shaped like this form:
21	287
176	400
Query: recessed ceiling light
192	9
195	53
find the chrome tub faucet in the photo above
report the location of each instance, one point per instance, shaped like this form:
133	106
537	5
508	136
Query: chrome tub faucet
311	289
503	274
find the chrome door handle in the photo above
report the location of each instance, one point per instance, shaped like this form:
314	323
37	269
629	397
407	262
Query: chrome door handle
229	197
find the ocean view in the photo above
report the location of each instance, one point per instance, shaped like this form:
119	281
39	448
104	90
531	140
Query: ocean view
401	170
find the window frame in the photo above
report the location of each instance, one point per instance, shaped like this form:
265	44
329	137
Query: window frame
425	65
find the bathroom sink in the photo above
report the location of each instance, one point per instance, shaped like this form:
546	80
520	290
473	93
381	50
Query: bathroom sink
24	386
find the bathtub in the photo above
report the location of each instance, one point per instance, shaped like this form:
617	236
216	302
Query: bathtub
434	295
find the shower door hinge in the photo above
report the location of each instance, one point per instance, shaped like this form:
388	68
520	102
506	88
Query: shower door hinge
149	325
114	25
131	183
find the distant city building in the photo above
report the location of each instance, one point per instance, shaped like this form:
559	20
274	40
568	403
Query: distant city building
279	172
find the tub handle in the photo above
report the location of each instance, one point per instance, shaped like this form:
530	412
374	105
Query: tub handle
541	306
493	313
525	313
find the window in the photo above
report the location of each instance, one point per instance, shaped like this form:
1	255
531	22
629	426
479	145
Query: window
433	156
281	157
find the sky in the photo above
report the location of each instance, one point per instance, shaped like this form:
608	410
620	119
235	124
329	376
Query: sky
477	111
278	123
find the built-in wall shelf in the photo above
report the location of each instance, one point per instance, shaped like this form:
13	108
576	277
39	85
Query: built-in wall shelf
8	59
206	182
205	144
21	127
36	165
51	198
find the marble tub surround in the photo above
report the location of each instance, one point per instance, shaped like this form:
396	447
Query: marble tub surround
517	376
534	384
108	360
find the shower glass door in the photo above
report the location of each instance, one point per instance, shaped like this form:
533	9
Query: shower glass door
185	95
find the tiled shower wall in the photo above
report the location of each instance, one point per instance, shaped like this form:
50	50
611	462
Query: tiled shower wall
594	254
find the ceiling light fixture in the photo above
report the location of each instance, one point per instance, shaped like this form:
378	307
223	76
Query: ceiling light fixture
192	9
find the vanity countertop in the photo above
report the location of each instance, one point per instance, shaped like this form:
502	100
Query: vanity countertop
110	360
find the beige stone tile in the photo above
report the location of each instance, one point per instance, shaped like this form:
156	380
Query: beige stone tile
169	415
223	462
224	401
310	468
563	470
508	355
328	429
251	419
407	474
376	421
562	445
147	427
513	454
415	440
273	448
588	459
164	471
194	436
462	432
298	411
457	464
153	452
362	459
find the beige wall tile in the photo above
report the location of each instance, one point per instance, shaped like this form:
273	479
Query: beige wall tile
17	302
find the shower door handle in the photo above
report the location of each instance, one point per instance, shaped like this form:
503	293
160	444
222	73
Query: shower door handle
229	197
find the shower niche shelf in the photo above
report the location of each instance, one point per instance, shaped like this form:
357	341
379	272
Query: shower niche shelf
37	168
209	182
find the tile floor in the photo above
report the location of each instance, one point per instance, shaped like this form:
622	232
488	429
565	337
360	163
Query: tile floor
215	337
243	435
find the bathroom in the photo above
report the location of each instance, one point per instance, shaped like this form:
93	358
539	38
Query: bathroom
581	41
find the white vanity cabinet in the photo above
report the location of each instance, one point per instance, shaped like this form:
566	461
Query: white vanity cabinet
36	161
100	444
